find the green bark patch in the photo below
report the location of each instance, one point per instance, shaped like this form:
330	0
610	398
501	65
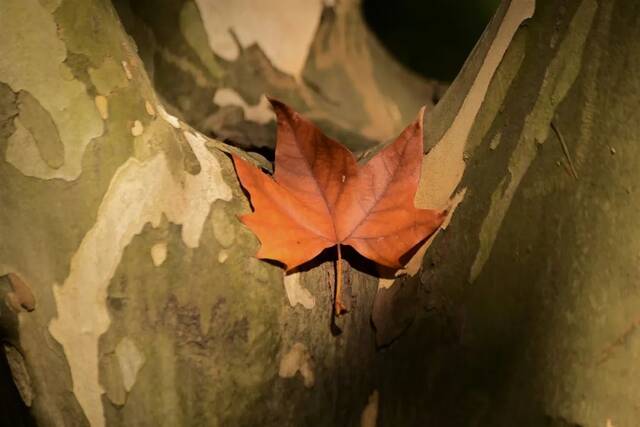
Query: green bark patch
206	328
38	122
88	28
108	76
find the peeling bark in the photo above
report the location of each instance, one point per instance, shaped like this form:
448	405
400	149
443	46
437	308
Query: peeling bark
119	217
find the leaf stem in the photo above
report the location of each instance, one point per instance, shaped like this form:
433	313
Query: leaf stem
339	307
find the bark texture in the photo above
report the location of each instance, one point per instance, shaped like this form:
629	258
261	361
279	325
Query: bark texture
119	220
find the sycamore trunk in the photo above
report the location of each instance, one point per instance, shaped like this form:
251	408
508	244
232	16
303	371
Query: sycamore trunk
133	297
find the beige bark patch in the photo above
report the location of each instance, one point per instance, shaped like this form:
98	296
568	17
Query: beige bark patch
137	128
111	376
495	141
102	104
72	110
159	253
203	189
297	360
130	359
223	256
369	417
296	293
172	120
260	113
139	193
386	283
127	70
149	107
444	165
284	29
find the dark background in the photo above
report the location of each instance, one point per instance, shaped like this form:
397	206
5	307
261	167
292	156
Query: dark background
431	37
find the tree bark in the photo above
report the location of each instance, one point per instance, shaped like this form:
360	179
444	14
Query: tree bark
119	220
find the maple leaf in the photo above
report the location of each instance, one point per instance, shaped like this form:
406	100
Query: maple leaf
320	197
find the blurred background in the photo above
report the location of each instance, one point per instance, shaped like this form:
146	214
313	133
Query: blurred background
444	31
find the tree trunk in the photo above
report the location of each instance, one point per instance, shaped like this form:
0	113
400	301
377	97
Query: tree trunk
119	219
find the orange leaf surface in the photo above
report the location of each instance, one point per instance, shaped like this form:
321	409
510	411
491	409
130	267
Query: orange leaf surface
319	196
